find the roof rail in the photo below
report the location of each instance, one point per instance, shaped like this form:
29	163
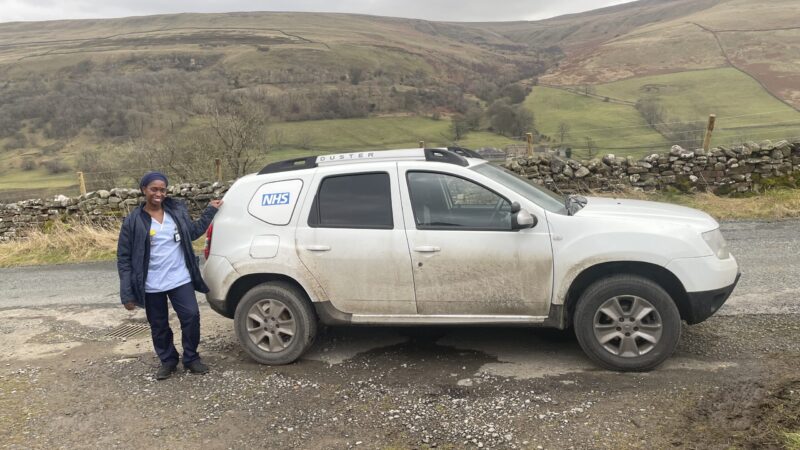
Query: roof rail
414	154
445	156
290	164
465	152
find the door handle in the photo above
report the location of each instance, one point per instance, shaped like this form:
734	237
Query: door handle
318	248
427	249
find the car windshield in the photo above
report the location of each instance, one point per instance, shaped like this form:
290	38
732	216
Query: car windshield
543	197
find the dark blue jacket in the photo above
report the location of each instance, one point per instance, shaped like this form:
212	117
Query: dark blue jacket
133	248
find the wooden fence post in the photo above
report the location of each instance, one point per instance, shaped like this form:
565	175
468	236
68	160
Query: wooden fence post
81	183
707	140
218	170
529	138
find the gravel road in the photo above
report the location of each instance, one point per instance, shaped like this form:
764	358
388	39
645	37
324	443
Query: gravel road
732	382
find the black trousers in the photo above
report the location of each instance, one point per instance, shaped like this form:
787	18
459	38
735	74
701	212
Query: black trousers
184	303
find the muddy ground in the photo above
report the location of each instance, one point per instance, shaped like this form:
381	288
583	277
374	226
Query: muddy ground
733	382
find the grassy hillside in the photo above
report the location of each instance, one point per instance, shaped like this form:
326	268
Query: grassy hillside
575	32
379	132
744	110
613	127
759	39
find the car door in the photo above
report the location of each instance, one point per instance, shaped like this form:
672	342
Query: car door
351	238
466	258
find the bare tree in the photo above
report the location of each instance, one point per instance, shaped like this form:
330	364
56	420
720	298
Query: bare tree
239	129
459	126
651	110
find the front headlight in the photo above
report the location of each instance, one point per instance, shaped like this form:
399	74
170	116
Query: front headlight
717	243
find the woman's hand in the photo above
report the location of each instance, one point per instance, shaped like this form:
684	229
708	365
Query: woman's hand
215	203
130	306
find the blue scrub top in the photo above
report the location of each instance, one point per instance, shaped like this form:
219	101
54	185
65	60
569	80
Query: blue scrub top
167	269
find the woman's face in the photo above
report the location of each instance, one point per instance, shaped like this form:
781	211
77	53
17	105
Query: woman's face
155	193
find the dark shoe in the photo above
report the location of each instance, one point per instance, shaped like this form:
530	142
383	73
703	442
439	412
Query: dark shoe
197	366
166	371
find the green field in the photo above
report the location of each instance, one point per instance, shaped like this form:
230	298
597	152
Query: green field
615	128
744	110
18	184
326	136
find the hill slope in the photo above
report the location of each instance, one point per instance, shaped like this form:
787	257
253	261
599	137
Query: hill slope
72	92
759	39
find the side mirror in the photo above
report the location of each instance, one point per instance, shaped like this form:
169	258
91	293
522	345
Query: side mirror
521	219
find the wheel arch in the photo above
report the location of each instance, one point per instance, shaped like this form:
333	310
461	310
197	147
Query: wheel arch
247	282
658	274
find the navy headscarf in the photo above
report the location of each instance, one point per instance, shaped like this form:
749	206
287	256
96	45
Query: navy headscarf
149	177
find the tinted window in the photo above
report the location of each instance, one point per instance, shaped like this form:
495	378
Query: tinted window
446	201
353	201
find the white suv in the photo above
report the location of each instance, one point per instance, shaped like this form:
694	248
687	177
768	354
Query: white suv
440	237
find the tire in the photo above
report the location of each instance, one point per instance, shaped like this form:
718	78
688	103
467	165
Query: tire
264	319
645	337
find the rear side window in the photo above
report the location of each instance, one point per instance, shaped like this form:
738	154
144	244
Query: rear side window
353	201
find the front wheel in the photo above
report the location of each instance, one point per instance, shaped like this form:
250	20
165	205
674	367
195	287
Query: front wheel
627	323
275	323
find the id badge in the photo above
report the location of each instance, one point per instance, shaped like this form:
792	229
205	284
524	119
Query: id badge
176	236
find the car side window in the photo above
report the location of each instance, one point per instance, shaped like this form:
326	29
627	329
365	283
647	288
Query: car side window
361	200
442	201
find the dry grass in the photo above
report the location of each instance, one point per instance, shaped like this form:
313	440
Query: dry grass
61	243
772	204
793	441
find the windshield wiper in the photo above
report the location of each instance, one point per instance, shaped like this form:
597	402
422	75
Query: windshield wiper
574	203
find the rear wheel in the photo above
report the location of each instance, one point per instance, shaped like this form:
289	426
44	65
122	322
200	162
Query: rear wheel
627	323
275	323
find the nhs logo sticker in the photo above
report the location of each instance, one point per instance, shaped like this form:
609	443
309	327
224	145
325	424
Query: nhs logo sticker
275	202
277	198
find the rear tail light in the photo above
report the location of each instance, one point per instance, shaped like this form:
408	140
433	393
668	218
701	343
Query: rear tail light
207	248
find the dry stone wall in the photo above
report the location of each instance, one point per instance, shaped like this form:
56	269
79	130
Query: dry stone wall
99	207
723	170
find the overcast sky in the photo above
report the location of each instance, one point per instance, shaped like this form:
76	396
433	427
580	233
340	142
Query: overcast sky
445	10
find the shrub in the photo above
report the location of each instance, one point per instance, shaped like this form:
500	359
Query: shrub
28	164
54	148
56	166
18	140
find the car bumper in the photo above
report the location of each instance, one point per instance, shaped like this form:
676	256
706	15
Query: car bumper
218	275
705	273
702	305
219	306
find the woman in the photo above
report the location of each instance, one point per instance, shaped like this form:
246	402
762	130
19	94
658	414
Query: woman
156	261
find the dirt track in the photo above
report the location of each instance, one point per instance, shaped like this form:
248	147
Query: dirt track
732	382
